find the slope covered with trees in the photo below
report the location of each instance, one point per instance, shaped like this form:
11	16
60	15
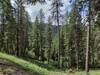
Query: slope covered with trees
69	41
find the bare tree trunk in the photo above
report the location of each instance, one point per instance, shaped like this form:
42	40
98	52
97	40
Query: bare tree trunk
88	41
87	53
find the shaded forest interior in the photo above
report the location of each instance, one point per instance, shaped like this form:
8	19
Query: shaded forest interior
63	41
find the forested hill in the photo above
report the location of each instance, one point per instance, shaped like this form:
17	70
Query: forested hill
72	44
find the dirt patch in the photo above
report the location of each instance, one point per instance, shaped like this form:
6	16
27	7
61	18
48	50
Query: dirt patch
7	68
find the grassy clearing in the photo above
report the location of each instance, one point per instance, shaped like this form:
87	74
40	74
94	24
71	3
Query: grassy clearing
57	73
41	71
24	64
92	72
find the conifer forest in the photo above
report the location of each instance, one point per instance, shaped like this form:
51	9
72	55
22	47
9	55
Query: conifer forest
49	37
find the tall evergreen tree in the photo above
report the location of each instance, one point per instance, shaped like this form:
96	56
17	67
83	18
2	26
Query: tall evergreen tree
41	16
48	39
36	38
76	36
56	13
87	65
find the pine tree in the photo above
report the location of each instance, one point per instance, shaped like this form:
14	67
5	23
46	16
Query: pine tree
36	38
56	9
87	65
48	39
2	26
41	18
21	28
62	53
76	36
6	29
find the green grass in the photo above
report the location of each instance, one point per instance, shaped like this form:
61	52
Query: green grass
41	64
57	73
24	64
31	67
92	72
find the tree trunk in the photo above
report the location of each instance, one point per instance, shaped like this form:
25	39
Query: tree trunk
87	53
88	41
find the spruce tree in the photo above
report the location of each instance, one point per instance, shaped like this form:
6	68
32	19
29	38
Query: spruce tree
36	39
42	24
48	39
56	13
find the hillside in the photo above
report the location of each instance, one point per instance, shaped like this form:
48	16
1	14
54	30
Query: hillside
24	64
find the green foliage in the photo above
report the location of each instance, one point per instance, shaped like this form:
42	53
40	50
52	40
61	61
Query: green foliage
24	64
36	38
48	39
18	37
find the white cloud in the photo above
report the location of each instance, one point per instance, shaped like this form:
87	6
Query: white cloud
33	10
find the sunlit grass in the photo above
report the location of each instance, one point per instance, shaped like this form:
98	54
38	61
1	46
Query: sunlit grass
92	72
24	64
36	69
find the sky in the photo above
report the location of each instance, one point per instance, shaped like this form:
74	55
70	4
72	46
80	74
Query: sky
33	10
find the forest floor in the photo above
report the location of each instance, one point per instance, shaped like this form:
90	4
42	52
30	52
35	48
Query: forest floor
10	67
92	72
5	70
12	70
